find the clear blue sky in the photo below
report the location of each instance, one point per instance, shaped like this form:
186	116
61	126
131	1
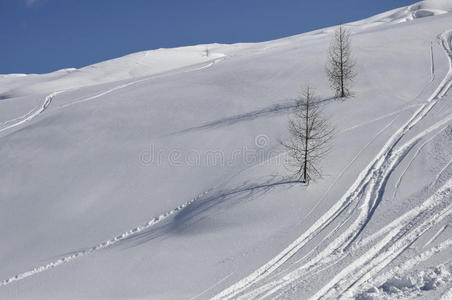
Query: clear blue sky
39	36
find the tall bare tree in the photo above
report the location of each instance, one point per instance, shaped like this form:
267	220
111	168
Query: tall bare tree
310	137
341	67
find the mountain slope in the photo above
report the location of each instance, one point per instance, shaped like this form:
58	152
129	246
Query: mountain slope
170	183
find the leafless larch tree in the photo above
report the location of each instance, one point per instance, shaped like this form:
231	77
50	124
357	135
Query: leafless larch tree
340	66
310	137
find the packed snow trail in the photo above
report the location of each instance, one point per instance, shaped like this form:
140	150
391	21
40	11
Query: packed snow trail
30	115
363	197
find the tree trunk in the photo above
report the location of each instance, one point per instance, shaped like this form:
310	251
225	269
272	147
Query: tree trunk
341	50
305	170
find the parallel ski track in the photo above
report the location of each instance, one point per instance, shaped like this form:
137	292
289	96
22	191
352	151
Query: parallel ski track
365	192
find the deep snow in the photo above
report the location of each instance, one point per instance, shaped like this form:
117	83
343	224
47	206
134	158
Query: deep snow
160	175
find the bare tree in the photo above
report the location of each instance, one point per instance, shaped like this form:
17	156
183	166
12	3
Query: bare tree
341	67
310	137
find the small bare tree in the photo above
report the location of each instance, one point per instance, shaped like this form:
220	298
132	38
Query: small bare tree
341	67
311	136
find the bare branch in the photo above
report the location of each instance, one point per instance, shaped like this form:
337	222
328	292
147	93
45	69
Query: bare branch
340	67
311	137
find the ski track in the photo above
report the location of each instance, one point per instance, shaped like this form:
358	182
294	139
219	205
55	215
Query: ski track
31	114
395	230
442	170
447	294
416	154
409	264
374	260
122	86
437	234
218	60
380	118
368	190
432	70
213	286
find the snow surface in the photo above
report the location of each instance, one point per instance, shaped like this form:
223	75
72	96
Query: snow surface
159	175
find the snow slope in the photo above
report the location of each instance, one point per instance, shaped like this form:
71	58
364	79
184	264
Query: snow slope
159	175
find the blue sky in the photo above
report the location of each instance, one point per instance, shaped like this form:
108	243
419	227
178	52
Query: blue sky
39	36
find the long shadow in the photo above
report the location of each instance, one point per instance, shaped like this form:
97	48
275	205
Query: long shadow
275	109
187	218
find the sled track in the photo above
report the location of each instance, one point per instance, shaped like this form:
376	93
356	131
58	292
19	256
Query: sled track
362	198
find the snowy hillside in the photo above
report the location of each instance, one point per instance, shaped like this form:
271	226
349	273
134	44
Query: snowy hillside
160	175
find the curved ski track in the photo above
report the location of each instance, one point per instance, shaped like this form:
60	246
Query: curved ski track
31	114
362	198
360	202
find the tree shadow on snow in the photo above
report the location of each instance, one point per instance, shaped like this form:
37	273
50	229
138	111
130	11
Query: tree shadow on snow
197	217
272	110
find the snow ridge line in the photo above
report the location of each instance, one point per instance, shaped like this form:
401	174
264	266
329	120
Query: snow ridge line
105	244
31	114
372	175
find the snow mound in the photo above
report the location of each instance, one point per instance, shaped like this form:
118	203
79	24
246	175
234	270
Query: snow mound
411	284
418	10
438	4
